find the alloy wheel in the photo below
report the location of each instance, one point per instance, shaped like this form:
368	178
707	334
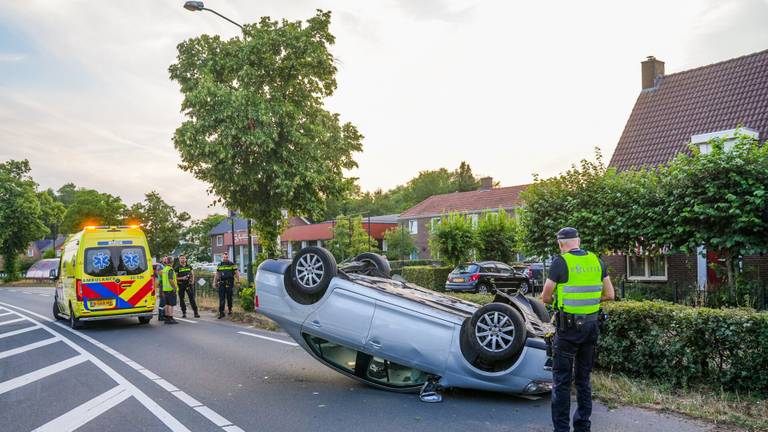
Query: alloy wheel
495	331
309	270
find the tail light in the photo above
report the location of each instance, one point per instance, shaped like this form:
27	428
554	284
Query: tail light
474	277
79	289
256	301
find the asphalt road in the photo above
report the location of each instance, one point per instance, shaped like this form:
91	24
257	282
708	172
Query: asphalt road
210	375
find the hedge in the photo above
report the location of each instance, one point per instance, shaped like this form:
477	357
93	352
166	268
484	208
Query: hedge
685	346
431	277
398	264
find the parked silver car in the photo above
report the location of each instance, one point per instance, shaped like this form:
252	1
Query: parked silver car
398	336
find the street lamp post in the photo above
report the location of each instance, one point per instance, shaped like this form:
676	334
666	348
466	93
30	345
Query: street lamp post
195	6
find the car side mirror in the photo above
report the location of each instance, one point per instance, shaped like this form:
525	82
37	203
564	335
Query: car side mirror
54	274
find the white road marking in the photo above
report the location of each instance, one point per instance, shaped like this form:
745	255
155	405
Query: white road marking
6	313
149	374
187	399
158	411
29	347
44	295
39	374
11	321
166	385
185	320
212	416
86	412
268	338
164	416
19	331
232	428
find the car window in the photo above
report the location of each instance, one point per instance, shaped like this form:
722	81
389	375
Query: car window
489	268
115	261
340	356
465	268
505	269
391	374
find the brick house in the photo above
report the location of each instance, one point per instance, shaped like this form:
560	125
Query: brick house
317	234
36	249
674	111
420	218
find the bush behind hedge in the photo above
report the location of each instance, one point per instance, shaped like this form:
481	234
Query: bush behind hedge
431	277
687	346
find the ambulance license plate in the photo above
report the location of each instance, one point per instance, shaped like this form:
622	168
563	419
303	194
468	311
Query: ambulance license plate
102	304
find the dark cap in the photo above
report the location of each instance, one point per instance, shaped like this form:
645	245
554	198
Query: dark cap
567	233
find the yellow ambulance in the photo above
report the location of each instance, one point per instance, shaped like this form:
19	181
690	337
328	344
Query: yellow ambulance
105	273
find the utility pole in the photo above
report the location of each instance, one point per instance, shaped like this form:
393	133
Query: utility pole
250	255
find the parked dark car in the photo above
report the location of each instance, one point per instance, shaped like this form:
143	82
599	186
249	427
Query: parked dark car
482	277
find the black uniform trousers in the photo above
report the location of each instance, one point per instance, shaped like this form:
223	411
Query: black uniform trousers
573	354
225	293
187	288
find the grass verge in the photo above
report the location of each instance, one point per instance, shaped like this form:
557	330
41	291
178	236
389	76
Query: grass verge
718	407
480	299
44	283
238	314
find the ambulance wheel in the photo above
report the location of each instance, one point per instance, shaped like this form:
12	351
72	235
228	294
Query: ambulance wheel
497	332
56	309
312	270
75	323
145	320
379	264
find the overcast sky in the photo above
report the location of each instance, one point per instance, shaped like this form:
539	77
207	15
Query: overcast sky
513	88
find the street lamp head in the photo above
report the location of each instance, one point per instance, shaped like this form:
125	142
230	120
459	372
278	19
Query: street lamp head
194	5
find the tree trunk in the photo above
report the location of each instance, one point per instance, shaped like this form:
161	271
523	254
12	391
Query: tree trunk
729	270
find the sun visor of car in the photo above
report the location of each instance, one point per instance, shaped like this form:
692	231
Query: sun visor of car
275	266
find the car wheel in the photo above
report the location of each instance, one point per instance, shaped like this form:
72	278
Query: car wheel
75	323
378	262
481	288
539	309
56	309
144	320
497	332
312	270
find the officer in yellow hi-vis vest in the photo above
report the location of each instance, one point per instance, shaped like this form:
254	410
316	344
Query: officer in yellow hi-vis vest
169	286
579	282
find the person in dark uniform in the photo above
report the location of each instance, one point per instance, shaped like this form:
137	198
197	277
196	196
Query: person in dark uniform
225	278
577	284
185	276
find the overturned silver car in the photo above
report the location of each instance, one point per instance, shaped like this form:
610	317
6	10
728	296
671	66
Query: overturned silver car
397	336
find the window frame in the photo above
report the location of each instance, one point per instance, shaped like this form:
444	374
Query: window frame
219	240
647	269
413	226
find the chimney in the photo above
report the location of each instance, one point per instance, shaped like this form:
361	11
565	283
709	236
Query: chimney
486	183
651	69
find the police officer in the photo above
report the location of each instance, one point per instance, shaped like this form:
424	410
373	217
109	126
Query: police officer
226	276
168	282
185	276
579	281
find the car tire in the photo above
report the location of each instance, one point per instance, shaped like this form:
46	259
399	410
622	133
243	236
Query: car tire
497	332
540	309
312	270
482	288
380	263
56	313
74	322
144	320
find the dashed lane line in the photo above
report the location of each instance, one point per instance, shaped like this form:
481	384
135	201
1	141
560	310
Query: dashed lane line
164	416
39	374
268	338
206	412
86	412
29	347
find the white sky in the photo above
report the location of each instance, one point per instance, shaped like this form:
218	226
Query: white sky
513	88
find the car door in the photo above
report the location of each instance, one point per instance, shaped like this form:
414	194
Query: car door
344	317
410	337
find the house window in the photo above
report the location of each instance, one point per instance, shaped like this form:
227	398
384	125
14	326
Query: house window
220	240
647	267
703	141
435	221
30	252
413	226
383	245
474	218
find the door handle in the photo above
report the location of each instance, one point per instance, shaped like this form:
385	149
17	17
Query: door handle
316	323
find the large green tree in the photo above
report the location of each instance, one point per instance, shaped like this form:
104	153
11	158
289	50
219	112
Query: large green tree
349	238
20	213
162	224
719	200
399	243
90	207
453	238
197	242
256	127
496	236
51	212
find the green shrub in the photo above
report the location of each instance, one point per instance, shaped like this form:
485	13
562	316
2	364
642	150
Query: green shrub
246	298
427	276
397	264
721	348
